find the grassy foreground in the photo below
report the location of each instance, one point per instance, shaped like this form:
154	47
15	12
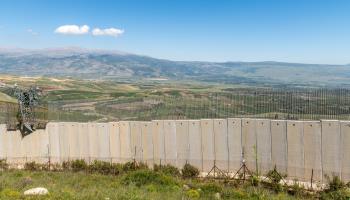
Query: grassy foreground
79	185
131	181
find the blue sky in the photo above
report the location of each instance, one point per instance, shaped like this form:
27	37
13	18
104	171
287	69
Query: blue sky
309	31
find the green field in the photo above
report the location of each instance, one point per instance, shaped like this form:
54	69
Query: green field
102	101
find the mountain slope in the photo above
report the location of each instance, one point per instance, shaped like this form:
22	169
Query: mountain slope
96	64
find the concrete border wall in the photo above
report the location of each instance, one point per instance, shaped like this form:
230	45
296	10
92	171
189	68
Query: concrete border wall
279	150
297	148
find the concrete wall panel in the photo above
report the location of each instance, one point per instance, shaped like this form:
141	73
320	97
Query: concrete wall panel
170	142
249	143
64	141
221	144
26	147
295	143
18	151
195	143
147	143
83	136
263	138
136	140
114	141
279	145
103	142
9	146
126	154
54	142
207	129
345	149
158	141
43	145
331	155
312	151
182	142
2	141
93	142
72	129
234	131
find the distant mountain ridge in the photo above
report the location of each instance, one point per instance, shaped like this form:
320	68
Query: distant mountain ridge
104	64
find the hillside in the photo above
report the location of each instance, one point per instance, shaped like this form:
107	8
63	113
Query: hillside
98	64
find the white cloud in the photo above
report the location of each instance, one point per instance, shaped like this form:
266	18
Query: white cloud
72	29
114	32
32	32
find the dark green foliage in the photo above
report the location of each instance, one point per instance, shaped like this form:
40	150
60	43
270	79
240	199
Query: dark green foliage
32	166
189	171
132	166
66	165
335	189
78	165
116	169
334	184
275	178
167	169
101	167
145	177
123	94
3	164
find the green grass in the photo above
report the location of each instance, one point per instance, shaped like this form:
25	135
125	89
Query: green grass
141	184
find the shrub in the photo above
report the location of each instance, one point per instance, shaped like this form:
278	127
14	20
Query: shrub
132	166
146	177
254	180
32	166
275	179
211	188
167	169
116	169
335	189
101	167
66	165
334	184
296	189
78	165
3	164
189	171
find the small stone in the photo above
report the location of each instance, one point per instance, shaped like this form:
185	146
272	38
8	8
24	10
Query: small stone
36	191
186	187
217	196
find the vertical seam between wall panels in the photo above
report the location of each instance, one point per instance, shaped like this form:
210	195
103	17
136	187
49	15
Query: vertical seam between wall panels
270	146
214	141
242	146
163	134
321	152
130	140
120	146
200	129
287	147
256	147
228	148
188	142
152	133
141	138
302	137
340	151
